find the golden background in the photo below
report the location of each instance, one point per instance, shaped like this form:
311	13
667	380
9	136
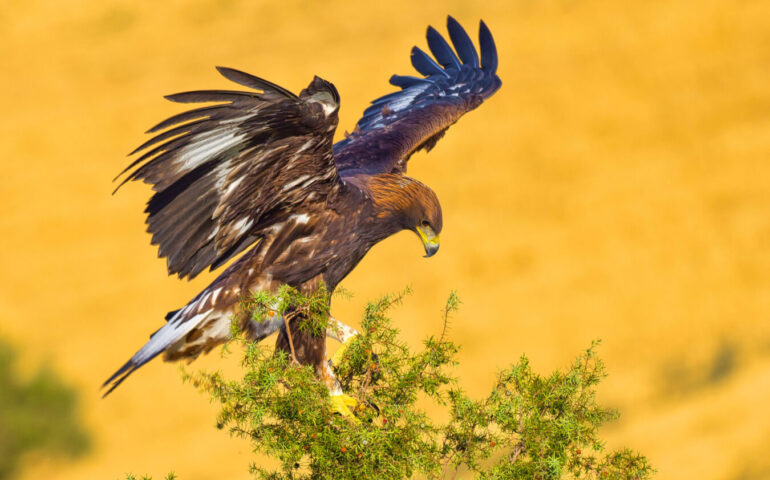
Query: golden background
616	187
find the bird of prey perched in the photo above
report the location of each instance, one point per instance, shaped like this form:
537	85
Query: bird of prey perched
258	170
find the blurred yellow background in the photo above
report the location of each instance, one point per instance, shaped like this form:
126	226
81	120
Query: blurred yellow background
616	187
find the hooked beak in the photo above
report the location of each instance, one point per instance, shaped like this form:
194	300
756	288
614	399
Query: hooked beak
429	239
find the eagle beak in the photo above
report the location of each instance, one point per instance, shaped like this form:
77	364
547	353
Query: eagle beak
430	240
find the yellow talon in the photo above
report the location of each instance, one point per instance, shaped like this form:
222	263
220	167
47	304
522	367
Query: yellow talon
342	403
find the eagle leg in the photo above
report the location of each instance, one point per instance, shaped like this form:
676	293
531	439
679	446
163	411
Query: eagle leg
343	334
341	403
307	349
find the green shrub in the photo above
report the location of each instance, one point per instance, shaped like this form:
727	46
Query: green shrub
36	414
528	427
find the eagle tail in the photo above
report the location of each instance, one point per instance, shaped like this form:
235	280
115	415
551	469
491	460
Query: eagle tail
178	324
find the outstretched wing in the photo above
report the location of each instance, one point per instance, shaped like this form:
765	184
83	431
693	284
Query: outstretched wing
223	174
416	117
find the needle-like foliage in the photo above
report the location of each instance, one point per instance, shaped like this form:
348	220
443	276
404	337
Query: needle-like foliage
529	426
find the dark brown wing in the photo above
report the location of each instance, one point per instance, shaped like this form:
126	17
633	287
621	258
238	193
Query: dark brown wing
416	117
225	173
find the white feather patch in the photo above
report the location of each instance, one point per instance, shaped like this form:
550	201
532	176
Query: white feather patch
301	218
207	145
233	185
305	146
168	334
242	225
295	182
214	295
218	330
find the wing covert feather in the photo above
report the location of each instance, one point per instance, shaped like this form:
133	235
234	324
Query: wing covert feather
223	174
416	117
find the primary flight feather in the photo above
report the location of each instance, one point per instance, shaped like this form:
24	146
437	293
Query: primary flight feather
258	170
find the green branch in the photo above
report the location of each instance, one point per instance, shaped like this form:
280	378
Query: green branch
528	427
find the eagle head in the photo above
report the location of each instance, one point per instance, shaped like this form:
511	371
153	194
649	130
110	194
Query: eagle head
408	205
424	218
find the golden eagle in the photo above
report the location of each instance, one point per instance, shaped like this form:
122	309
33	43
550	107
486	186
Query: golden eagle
259	169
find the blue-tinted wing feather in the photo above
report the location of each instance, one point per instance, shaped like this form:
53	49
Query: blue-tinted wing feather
426	65
462	43
488	49
441	50
405	81
397	124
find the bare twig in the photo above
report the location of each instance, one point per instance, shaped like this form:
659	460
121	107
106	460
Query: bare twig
286	319
519	448
365	385
516	452
446	465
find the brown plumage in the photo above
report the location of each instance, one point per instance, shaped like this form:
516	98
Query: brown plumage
259	170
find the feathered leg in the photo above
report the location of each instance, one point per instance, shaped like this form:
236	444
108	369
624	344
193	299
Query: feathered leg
310	350
341	402
343	334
